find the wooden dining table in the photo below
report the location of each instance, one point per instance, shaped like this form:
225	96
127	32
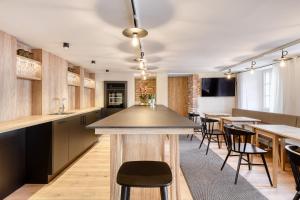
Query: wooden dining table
215	115
278	134
238	121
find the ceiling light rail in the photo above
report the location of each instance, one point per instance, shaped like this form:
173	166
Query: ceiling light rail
280	48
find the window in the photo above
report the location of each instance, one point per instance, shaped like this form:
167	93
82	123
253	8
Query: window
267	89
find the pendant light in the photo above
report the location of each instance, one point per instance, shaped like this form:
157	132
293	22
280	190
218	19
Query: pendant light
135	34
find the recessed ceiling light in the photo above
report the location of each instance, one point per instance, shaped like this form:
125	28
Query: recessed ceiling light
66	45
93	62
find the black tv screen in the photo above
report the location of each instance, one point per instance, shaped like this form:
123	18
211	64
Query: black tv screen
218	87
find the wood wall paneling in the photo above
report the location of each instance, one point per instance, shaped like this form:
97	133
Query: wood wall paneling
178	94
8	80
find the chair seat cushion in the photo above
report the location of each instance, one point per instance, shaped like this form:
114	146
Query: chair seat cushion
144	174
250	148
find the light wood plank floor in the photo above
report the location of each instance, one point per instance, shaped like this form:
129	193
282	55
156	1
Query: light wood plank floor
88	178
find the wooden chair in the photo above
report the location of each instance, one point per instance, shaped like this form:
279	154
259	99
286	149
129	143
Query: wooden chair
293	152
145	174
208	131
237	142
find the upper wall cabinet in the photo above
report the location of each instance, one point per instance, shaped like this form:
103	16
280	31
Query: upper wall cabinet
28	68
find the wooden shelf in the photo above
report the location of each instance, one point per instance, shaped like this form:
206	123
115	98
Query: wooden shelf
28	68
73	79
89	83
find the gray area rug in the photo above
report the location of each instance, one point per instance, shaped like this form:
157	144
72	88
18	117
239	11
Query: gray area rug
205	179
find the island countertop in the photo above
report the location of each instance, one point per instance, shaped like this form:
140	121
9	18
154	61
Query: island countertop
145	117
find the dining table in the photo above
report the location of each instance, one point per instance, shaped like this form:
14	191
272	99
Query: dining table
278	134
145	133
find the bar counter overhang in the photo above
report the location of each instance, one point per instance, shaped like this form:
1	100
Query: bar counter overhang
141	133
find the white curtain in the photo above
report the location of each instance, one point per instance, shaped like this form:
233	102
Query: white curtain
250	90
285	88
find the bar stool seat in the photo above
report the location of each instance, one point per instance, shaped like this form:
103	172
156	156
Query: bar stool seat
145	174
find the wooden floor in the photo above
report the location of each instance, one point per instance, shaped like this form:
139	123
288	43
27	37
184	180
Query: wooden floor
88	178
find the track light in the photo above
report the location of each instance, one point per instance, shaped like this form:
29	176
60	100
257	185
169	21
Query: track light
66	45
144	78
143	72
142	65
283	58
253	63
228	74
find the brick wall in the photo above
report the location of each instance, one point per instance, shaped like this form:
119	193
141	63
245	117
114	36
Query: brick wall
149	85
193	92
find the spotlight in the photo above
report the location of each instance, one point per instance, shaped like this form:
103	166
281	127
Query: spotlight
66	45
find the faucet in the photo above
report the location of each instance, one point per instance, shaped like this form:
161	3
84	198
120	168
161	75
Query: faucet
62	106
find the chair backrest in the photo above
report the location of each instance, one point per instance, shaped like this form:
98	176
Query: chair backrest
294	158
207	125
193	117
236	138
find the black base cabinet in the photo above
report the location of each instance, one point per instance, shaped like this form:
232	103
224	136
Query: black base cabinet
12	161
38	153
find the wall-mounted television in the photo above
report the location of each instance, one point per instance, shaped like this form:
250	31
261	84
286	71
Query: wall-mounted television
218	87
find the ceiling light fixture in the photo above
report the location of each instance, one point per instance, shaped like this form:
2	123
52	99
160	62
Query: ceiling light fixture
66	45
228	74
283	58
135	34
252	67
143	72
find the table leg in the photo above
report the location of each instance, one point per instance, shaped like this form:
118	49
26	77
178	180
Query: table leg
175	167
116	160
275	160
282	154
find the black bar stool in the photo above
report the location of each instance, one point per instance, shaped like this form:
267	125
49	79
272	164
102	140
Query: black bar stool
208	130
145	174
294	157
194	117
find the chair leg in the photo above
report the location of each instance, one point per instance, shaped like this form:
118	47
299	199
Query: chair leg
249	163
238	168
192	137
202	140
225	160
125	193
297	196
218	142
164	193
266	167
209	139
187	136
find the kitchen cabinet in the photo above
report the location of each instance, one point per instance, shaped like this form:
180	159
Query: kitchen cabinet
70	138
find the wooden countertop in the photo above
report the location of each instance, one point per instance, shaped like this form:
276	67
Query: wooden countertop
145	117
24	122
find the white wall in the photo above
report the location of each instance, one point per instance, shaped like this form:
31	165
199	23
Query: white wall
215	104
162	88
101	77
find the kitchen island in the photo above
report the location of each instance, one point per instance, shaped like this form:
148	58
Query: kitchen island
141	133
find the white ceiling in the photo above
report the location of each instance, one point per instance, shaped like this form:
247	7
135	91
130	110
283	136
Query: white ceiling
184	35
